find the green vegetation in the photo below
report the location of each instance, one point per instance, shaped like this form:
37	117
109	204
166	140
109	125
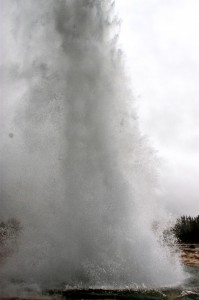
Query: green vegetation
186	229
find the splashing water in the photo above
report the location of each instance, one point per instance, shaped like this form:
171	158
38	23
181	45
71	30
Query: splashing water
76	172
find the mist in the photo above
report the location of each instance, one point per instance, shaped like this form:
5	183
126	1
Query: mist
75	170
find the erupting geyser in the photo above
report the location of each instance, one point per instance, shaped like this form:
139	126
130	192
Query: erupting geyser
77	174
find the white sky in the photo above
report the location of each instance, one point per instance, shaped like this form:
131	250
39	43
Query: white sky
160	39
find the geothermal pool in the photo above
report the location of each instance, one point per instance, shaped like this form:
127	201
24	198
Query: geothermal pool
189	289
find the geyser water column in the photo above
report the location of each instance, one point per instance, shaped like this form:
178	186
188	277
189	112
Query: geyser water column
79	176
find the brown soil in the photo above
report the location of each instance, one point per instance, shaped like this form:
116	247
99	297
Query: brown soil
190	255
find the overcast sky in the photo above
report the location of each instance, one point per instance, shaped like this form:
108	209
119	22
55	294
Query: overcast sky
160	39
